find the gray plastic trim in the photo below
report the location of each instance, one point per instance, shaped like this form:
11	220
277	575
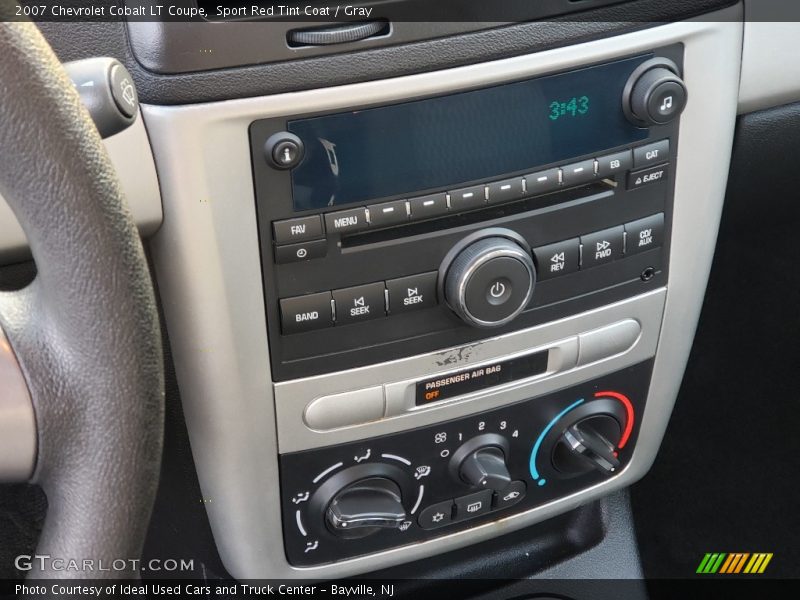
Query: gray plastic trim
131	155
208	266
770	75
400	376
18	440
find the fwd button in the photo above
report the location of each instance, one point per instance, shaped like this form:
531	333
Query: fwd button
411	293
602	247
360	303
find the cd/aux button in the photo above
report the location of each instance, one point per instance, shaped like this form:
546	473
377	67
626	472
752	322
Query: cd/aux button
360	303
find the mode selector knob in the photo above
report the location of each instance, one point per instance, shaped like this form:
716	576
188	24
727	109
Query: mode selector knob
365	506
490	281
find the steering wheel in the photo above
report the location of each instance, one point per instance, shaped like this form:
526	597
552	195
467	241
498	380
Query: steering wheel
85	332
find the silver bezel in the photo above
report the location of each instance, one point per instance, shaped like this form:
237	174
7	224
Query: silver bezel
209	272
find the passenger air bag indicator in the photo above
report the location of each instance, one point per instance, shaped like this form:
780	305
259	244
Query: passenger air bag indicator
481	377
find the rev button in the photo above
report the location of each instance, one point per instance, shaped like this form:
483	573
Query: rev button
411	293
557	259
360	303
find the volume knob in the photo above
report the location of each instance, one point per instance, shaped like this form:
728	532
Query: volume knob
490	281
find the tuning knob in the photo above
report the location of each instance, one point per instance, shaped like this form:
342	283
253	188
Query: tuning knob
366	506
490	281
655	94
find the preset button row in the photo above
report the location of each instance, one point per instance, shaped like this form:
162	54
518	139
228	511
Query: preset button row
600	247
359	303
649	159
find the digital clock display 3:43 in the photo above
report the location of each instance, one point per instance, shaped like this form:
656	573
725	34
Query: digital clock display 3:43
573	107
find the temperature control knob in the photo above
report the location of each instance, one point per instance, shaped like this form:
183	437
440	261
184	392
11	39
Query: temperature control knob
490	281
588	438
364	507
590	446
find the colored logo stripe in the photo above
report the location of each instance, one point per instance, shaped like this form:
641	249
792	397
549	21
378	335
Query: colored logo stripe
711	562
758	563
734	562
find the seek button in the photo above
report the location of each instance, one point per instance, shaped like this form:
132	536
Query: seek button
412	293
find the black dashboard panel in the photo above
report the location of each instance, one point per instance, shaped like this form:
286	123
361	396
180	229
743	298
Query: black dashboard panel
112	39
567	194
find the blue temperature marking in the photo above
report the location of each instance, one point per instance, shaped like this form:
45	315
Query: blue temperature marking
534	471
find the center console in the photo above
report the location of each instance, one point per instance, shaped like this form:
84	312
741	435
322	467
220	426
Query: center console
409	315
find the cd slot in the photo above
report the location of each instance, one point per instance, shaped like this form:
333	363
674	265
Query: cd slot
591	192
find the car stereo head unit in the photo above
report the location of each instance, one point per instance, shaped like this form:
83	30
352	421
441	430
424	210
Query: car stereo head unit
398	229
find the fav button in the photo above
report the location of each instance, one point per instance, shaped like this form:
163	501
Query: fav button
411	293
602	247
359	303
473	505
644	234
436	515
297	230
558	259
304	313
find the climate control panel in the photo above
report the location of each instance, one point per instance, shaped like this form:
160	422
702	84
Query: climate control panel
375	494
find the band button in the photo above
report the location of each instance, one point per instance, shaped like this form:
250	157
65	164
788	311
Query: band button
305	313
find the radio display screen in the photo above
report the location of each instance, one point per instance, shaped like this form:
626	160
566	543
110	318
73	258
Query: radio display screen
418	146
